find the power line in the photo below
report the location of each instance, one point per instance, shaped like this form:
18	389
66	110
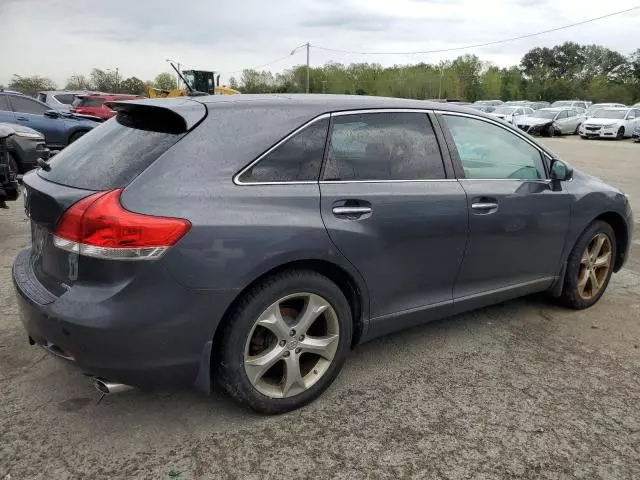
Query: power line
478	45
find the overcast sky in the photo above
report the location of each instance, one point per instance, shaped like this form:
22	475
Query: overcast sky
58	38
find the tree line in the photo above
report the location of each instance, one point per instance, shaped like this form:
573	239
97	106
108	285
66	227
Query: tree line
566	71
96	80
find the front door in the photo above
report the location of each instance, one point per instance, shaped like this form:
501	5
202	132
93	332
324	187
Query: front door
30	113
518	219
391	211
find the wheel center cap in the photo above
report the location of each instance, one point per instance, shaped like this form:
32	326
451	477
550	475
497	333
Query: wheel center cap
292	345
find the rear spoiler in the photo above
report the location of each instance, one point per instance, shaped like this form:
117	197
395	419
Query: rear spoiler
163	115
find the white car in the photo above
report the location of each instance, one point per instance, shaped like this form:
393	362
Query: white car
512	112
611	123
552	121
598	106
571	104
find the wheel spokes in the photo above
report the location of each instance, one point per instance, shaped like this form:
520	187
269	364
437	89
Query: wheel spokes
325	347
257	366
272	320
293	382
314	307
598	241
603	260
582	280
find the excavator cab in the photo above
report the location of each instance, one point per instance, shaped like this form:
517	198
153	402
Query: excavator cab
200	80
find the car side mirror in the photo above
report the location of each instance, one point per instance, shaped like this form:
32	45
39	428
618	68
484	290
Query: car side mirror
560	171
51	114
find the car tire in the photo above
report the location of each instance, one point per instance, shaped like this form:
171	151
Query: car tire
253	362
551	131
587	275
577	130
75	137
620	134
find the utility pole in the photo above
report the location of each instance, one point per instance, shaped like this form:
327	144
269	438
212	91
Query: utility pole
308	47
117	86
324	86
440	86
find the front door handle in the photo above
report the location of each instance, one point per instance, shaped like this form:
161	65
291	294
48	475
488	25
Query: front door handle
351	211
22	119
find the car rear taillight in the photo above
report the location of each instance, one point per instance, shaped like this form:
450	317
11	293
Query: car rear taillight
98	226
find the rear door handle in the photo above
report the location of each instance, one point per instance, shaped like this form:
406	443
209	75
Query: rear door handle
351	211
22	119
484	206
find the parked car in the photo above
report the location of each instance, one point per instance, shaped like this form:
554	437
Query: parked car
597	106
58	128
572	104
537	105
25	145
516	102
489	103
96	104
483	108
510	113
636	133
312	238
611	123
60	100
551	121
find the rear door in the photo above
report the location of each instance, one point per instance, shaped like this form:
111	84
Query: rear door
518	219
392	211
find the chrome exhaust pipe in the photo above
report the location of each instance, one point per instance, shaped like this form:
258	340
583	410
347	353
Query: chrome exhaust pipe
107	388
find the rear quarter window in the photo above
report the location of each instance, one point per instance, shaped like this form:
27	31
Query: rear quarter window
110	156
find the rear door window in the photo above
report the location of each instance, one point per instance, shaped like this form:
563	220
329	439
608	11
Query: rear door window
298	159
383	146
27	105
110	156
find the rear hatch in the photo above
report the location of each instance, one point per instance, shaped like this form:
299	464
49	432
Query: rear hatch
104	160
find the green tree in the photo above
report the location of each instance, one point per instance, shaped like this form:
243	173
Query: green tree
233	83
104	81
165	81
133	85
31	84
491	81
78	82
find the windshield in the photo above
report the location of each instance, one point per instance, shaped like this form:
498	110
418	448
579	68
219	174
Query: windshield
603	113
505	110
550	114
561	104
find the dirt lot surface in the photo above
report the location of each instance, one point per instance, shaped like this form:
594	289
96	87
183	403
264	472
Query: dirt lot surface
519	390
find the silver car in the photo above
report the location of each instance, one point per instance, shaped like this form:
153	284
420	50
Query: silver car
60	100
552	121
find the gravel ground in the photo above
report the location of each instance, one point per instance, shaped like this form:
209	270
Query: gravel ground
523	389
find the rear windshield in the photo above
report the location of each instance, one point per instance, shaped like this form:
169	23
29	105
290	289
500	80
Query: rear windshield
110	156
66	98
88	102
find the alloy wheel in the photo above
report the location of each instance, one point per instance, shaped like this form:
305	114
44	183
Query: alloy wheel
595	264
291	345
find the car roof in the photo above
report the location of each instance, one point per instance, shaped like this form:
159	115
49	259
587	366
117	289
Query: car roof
556	109
616	109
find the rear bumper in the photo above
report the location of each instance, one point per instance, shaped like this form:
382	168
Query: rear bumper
143	336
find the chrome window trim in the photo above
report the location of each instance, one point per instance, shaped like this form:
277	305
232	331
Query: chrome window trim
329	182
236	177
381	110
515	132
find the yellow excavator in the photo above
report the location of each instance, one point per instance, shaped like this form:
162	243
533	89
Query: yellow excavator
198	82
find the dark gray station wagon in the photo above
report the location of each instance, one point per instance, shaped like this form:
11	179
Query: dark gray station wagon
253	240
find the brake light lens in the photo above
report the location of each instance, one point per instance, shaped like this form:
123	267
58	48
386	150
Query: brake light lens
98	226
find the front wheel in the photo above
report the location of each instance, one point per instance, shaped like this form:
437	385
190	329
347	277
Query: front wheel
285	343
620	134
75	137
577	130
589	266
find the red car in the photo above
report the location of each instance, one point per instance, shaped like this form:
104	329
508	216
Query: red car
95	104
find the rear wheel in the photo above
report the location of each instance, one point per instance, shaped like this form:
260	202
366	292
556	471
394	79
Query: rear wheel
589	266
620	134
285	343
577	130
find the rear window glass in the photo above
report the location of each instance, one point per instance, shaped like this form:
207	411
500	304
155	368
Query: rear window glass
88	102
66	98
110	156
